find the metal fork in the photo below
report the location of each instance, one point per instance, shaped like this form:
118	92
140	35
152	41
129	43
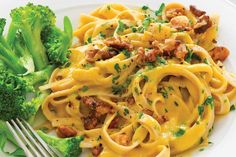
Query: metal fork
30	141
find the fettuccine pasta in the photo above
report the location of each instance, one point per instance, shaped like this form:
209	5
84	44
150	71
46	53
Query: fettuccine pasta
141	82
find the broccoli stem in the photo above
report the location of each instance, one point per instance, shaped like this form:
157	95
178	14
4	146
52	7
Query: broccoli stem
10	59
39	76
35	46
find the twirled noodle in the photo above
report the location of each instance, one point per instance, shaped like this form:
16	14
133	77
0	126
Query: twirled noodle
173	100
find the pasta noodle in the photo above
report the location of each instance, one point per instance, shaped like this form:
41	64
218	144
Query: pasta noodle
128	105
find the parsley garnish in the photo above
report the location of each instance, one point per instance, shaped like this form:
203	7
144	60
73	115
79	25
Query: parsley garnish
149	101
136	90
117	68
140	115
87	66
232	107
121	26
179	133
99	138
145	77
101	35
160	10
209	101
145	7
176	104
159	28
119	89
115	78
164	92
146	22
126	111
200	110
201	140
205	61
126	53
89	40
109	7
84	88
134	29
189	55
161	61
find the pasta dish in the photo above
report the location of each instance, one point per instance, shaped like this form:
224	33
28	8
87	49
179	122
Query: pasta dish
141	82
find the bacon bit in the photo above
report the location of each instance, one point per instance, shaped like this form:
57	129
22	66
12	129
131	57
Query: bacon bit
130	100
97	150
148	56
170	45
65	131
122	139
96	54
202	24
90	122
114	123
117	43
196	11
162	119
148	112
180	23
98	106
174	12
181	51
219	53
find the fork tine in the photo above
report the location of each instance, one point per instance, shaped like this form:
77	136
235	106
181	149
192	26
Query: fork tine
19	140
35	152
50	150
37	145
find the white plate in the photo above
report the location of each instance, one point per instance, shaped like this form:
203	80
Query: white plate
224	133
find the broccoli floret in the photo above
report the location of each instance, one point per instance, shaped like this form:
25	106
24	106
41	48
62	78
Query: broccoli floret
14	90
69	147
31	20
57	42
7	55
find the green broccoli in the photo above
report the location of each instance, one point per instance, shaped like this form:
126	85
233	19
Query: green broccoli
14	90
57	42
69	147
31	20
7	55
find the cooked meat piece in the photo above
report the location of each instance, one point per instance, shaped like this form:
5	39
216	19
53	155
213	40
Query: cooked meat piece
148	112
98	107
97	150
202	24
117	43
170	45
181	51
130	100
180	23
149	55
66	131
141	54
219	53
96	54
115	122
122	139
90	122
174	12
196	11
162	119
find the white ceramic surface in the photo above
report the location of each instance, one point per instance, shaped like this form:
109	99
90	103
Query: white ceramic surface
224	133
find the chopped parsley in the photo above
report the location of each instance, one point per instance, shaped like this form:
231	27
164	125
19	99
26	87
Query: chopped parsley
115	78
99	137
133	29
159	28
124	66
179	133
101	35
161	61
201	140
166	110
232	107
136	90
189	55
120	89
126	111
205	61
164	93
145	77
117	68
140	115
126	53
89	40
209	101
87	65
202	149
84	88
140	29
145	7
121	26
108	7
149	101
146	22
200	110
160	10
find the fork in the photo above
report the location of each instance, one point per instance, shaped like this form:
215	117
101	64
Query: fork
30	141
